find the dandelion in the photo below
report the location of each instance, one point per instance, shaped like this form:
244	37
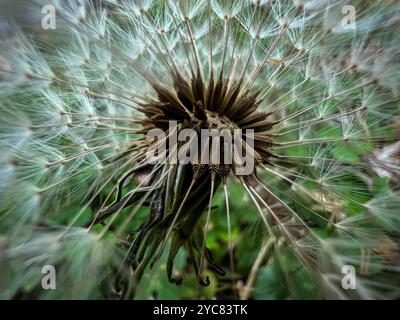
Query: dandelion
79	192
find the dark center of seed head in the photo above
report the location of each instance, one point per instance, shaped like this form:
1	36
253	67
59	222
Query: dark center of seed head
213	106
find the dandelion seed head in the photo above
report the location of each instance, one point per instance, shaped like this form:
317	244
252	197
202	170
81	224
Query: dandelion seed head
321	98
